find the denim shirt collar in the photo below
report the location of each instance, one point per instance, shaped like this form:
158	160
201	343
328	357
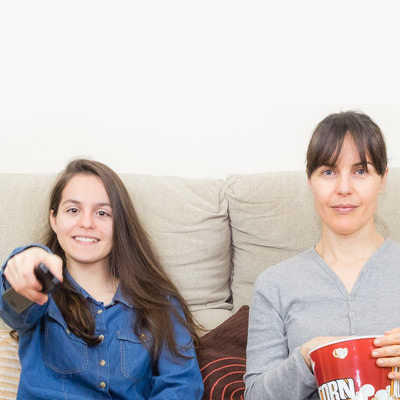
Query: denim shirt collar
118	297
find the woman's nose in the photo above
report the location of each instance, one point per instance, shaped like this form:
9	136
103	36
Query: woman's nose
344	185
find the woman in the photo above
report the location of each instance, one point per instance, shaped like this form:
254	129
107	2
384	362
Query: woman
346	285
116	327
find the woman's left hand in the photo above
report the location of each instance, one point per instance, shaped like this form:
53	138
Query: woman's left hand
388	352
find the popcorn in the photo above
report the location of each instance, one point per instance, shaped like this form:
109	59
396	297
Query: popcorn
345	370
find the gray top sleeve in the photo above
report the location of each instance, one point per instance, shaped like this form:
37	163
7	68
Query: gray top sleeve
271	371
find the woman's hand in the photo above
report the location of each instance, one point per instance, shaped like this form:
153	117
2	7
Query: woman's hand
19	272
314	343
388	353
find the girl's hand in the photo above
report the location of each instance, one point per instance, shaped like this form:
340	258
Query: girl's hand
19	272
314	343
388	353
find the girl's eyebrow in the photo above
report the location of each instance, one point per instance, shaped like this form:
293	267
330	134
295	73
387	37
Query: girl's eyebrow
77	202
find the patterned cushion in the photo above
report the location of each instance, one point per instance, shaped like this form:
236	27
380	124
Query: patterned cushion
222	358
9	366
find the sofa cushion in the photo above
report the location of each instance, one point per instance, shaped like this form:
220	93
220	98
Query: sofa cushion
9	366
272	218
222	358
187	220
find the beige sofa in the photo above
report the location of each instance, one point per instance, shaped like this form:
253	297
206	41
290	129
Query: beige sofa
213	236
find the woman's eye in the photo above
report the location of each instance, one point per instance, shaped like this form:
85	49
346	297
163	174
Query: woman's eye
361	171
103	213
72	210
328	172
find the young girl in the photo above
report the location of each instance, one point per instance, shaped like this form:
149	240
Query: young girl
348	284
116	327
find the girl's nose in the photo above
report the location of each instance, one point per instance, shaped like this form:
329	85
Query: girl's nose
86	220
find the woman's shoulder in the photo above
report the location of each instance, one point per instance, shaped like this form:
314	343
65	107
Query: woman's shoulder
392	245
389	251
290	267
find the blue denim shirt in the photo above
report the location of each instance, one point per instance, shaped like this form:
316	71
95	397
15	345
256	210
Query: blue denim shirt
56	364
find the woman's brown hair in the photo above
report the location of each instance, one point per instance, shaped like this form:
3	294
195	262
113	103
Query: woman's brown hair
327	141
143	281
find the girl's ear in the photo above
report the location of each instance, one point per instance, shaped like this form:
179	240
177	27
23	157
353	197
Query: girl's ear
53	221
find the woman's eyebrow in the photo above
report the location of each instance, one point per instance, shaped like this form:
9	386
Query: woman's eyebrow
360	164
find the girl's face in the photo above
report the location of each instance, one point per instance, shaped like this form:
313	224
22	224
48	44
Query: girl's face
84	222
346	194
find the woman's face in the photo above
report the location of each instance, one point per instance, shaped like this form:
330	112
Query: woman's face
84	222
346	195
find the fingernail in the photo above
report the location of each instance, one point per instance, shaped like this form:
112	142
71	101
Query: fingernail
375	353
379	362
377	341
391	376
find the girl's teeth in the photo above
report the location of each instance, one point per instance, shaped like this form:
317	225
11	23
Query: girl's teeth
85	239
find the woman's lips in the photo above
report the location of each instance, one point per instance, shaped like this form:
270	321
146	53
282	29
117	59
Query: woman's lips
344	208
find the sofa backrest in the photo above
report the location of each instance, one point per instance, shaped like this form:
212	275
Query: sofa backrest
213	236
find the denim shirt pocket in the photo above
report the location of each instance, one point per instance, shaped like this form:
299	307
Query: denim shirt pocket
135	356
63	351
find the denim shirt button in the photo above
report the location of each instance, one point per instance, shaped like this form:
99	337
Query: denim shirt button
99	311
101	337
102	385
102	363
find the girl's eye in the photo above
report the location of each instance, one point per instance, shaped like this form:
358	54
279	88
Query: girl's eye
103	213
72	210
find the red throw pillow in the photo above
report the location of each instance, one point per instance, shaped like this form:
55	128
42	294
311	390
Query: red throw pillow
222	358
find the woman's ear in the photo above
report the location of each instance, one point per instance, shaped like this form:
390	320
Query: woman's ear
383	181
308	180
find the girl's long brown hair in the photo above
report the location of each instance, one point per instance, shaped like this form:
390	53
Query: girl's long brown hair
143	281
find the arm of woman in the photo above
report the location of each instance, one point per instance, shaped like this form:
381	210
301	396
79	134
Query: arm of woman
178	378
18	272
271	371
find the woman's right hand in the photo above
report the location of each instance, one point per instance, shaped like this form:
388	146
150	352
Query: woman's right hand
19	272
314	343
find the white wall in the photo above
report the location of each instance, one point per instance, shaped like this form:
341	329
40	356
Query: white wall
191	88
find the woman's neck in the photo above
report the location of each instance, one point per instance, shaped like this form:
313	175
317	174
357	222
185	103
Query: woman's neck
347	249
346	255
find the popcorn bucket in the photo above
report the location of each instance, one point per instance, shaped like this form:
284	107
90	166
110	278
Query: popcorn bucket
345	370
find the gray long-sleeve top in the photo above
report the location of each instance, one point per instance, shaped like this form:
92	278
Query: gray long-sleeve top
302	298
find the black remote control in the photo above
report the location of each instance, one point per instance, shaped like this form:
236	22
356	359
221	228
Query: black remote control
20	303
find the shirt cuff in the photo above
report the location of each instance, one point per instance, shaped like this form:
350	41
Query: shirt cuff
307	376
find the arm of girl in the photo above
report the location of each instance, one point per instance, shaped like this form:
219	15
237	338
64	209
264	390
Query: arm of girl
178	378
18	272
